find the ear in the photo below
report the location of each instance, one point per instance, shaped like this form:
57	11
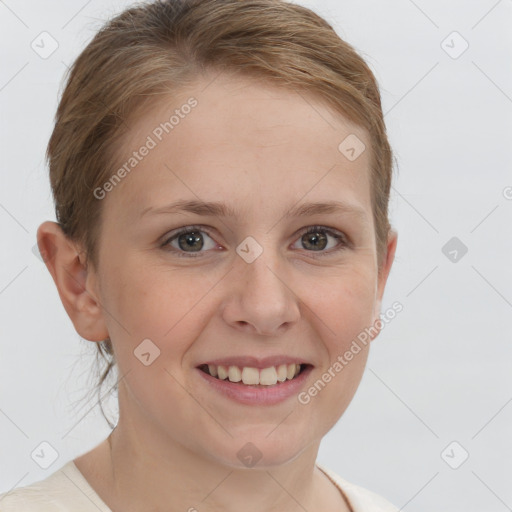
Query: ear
75	283
383	277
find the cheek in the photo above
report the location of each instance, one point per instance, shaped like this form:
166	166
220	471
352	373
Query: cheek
147	301
343	304
342	313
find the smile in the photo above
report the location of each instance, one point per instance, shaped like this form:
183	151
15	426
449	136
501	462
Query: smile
253	376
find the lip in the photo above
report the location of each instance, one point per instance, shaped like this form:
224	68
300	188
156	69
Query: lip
256	395
254	362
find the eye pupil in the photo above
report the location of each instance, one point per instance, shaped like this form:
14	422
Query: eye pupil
318	241
190	239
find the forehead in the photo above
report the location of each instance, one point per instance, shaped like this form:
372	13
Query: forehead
241	138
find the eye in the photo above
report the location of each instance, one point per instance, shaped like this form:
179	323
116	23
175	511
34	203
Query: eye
316	239
188	241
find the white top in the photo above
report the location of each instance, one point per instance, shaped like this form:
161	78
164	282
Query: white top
68	490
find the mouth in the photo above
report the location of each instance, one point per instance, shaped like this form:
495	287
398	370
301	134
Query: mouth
255	377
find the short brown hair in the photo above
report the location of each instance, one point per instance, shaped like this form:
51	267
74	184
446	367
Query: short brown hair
164	46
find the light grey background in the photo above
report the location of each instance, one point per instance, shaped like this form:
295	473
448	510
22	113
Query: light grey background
439	372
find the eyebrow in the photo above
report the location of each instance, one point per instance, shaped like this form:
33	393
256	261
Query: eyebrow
217	209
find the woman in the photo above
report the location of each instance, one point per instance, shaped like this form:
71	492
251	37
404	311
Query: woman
221	175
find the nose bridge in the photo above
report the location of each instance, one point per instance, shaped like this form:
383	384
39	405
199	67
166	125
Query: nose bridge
262	277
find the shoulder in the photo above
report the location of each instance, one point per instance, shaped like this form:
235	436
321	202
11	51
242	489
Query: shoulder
360	499
64	490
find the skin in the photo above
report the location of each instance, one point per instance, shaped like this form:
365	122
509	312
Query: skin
261	150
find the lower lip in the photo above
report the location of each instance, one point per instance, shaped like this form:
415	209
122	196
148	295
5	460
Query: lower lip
262	395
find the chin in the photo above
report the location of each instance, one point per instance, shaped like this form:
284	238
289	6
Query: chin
260	447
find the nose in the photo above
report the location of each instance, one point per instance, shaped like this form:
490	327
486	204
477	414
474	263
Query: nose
260	298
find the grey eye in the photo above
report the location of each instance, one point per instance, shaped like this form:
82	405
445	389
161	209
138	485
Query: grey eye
190	241
317	239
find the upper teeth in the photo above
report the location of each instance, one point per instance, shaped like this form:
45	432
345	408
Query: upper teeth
266	376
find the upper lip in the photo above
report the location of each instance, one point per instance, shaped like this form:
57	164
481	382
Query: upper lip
255	362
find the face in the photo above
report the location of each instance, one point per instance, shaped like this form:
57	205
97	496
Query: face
243	284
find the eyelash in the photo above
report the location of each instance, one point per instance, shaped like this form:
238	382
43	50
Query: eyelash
312	229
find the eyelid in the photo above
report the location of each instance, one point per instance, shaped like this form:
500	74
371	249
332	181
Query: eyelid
165	245
343	240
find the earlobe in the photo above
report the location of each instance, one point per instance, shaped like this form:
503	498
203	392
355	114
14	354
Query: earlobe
67	266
